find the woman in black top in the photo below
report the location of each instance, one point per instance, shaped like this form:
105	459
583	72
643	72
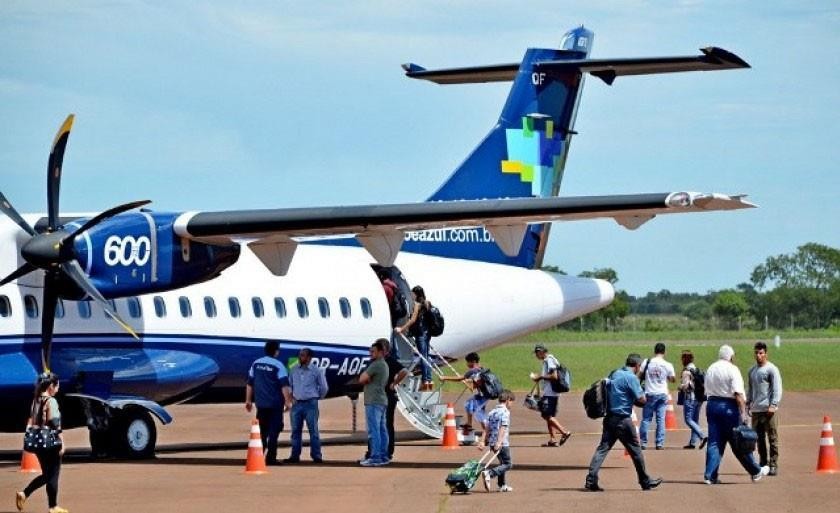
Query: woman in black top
416	327
45	412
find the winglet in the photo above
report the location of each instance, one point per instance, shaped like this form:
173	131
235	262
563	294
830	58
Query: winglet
410	67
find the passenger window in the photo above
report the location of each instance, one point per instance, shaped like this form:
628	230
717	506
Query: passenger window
84	309
324	307
59	309
184	305
134	309
5	307
280	307
233	304
31	306
256	304
160	307
209	307
344	305
303	308
367	312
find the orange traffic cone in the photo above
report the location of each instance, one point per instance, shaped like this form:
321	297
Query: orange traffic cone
255	464
670	418
450	435
827	460
29	463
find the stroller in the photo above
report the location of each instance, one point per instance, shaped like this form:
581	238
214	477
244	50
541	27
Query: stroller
462	479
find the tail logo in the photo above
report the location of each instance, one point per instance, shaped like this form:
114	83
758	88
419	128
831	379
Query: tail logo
534	153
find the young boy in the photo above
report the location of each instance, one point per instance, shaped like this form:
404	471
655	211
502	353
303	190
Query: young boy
497	436
474	406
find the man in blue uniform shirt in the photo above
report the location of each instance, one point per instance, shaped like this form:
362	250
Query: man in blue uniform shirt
623	391
268	388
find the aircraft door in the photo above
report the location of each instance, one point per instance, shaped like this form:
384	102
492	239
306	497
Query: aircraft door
401	301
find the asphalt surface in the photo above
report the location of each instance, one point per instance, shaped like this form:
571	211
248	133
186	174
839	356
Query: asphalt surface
201	459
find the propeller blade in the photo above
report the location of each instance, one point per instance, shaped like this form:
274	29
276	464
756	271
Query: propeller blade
74	271
48	317
54	170
21	271
102	216
10	211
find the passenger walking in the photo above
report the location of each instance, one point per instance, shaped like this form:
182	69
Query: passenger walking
268	388
417	327
725	409
691	401
763	397
497	436
44	412
375	380
623	391
475	405
549	401
309	385
656	373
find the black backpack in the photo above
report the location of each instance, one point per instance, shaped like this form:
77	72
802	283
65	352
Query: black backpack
698	378
398	308
563	383
595	400
491	385
434	322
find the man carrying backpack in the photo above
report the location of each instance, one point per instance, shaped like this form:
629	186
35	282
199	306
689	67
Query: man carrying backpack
548	403
692	400
623	391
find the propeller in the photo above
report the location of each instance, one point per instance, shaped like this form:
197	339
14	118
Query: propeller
53	250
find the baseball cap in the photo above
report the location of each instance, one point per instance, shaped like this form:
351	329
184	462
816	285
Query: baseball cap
539	347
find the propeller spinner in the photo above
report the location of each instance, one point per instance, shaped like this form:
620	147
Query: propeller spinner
53	251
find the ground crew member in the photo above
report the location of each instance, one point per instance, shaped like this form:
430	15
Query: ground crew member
268	388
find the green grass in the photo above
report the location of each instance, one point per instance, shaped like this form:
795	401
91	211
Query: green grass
804	364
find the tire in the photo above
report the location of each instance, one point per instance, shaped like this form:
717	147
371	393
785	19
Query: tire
134	434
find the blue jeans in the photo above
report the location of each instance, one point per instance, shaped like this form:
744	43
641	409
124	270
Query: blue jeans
505	464
691	415
305	411
423	343
377	431
722	416
656	403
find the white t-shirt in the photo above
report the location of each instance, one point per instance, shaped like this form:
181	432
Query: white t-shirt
550	364
723	379
657	372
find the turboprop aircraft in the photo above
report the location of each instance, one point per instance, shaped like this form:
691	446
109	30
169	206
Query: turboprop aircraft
196	294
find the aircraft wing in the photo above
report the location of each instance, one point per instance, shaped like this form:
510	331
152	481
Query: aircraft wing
380	229
711	59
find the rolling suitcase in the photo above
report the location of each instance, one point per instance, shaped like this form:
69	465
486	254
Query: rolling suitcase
462	479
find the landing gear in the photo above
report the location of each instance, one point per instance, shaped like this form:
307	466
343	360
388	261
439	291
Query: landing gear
130	433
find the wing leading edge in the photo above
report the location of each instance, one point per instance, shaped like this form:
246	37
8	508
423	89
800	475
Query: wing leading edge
380	229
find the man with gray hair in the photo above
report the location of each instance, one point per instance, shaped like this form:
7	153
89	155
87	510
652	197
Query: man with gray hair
725	409
763	396
309	385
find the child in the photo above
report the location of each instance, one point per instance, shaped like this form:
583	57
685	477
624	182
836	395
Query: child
475	404
497	436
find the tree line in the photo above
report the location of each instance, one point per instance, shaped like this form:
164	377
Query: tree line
797	290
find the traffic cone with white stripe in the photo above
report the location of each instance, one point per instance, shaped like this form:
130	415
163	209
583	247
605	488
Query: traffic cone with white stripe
670	417
255	464
450	434
827	460
29	463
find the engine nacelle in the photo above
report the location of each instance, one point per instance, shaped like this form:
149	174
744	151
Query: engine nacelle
138	253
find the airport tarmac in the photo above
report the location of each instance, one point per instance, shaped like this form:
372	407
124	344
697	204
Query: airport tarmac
201	458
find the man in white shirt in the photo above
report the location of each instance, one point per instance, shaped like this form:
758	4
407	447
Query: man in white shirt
725	409
656	373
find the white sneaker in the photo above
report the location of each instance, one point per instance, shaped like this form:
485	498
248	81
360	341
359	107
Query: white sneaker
485	478
367	463
761	473
505	488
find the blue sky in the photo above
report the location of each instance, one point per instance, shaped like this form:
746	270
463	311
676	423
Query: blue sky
228	105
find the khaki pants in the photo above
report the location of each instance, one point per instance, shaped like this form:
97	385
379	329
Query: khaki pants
767	426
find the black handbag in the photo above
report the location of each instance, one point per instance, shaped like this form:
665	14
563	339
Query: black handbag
41	438
744	439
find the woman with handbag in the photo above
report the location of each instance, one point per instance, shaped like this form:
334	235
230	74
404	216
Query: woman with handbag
44	433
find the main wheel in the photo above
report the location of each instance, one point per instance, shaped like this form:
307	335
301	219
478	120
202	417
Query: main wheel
135	434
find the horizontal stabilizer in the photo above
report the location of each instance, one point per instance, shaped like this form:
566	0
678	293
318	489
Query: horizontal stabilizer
711	59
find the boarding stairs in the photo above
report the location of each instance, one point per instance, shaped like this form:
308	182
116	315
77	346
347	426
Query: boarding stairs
424	409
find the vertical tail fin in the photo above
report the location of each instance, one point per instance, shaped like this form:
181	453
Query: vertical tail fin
523	155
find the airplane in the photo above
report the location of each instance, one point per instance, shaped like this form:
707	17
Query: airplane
196	294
